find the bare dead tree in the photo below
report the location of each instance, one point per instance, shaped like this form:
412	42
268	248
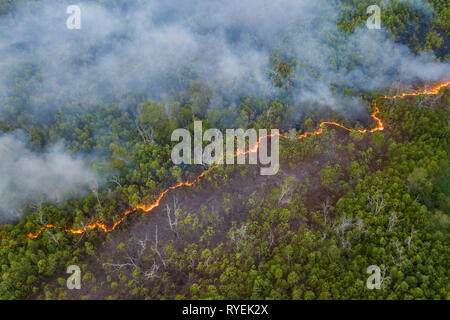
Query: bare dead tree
341	229
173	222
37	206
207	260
116	179
326	209
384	280
286	190
193	261
155	247
52	236
399	252
118	266
392	221
80	239
359	224
346	224
142	245
145	133
410	237
44	223
152	273
136	261
376	202
94	190
240	235
268	113
133	261
271	239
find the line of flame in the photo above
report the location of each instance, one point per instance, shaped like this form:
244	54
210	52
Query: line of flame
147	208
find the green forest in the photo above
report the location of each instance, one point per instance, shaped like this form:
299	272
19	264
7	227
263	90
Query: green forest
340	202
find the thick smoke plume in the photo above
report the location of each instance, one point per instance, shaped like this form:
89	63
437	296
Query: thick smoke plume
26	176
158	47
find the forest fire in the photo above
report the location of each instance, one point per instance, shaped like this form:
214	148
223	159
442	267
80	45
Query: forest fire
148	208
432	91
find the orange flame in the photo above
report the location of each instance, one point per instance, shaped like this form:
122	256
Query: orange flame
432	91
147	208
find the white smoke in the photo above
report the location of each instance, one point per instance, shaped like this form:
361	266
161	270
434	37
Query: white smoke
158	46
28	176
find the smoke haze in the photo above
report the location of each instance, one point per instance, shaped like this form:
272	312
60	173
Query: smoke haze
29	176
157	47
